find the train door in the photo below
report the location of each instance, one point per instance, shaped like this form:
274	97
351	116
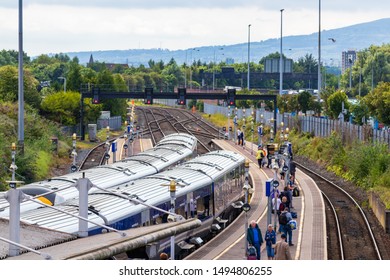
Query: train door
145	218
190	207
180	205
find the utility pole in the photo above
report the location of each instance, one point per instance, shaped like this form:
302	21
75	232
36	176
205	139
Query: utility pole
319	50
281	54
249	48
21	82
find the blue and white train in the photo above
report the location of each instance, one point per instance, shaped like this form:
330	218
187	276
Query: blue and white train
207	187
171	150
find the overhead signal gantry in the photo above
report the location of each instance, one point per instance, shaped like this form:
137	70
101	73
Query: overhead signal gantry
98	93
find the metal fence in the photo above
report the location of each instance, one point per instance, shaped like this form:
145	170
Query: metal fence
320	127
115	123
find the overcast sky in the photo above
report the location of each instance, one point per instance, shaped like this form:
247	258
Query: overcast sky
53	26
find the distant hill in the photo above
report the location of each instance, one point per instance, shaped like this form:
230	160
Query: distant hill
356	37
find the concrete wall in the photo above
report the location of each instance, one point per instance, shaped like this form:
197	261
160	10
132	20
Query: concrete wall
380	211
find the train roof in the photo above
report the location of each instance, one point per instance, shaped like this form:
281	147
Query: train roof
106	208
169	151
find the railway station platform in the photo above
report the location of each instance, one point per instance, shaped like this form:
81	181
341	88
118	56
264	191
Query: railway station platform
105	246
310	237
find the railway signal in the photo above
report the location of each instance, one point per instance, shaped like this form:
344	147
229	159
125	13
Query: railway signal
181	96
95	99
231	97
149	96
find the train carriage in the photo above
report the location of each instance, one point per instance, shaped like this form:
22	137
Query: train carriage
207	186
172	149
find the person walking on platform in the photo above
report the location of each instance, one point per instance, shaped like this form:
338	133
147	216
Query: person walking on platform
270	240
242	138
260	156
254	237
285	227
282	250
238	136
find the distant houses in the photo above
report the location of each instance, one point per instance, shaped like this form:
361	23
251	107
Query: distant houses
113	67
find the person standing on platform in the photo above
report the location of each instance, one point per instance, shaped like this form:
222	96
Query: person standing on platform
292	168
285	226
260	156
269	158
270	240
238	136
254	237
282	250
242	137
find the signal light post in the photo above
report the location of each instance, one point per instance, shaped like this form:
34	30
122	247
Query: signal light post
95	99
107	154
232	97
149	96
181	96
73	168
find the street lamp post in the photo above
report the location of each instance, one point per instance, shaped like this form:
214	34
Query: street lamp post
260	131
228	124
275	186
107	155
281	54
319	50
172	191
252	129
73	168
63	78
191	68
243	126
20	81
235	120
249	48
185	70
281	132
214	68
246	207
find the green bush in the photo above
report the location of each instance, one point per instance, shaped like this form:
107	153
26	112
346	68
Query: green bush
366	165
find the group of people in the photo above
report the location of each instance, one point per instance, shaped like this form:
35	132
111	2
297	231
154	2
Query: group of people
275	250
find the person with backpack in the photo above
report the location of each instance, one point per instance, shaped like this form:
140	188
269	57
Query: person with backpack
284	203
254	237
270	240
260	156
284	218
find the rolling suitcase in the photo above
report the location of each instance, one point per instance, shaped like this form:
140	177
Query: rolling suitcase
252	254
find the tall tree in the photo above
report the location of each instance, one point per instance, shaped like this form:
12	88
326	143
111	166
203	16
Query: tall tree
378	102
304	100
335	103
73	77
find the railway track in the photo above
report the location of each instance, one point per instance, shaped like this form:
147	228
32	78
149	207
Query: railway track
153	128
349	232
158	122
95	156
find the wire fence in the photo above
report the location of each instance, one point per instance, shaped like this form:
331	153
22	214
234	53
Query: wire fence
319	127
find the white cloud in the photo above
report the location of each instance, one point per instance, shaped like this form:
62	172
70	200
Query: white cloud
54	28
